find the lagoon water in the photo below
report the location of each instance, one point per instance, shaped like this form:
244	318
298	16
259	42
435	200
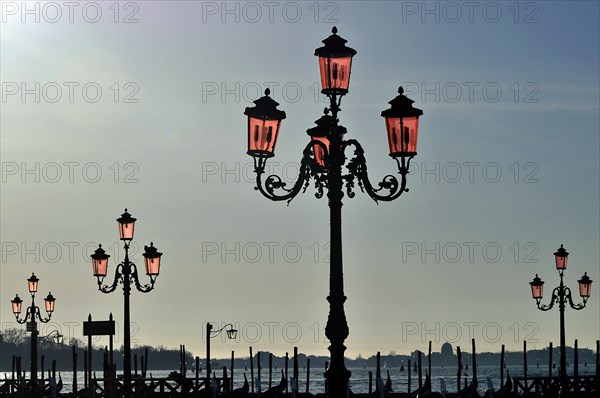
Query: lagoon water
359	381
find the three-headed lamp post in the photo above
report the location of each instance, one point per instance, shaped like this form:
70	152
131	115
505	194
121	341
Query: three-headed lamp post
561	295
31	314
324	161
126	274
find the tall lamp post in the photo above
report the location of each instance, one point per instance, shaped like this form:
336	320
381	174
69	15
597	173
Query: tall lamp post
323	160
126	274
33	312
561	295
231	334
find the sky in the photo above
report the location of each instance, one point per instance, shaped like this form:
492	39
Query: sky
139	105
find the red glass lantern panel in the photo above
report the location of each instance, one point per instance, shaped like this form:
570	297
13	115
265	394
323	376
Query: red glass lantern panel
49	300
403	134
335	74
17	305
262	136
319	151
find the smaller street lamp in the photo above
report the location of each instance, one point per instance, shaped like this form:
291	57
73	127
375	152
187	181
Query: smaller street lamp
57	338
561	295
31	314
231	334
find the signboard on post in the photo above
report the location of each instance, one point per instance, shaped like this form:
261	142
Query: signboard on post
99	328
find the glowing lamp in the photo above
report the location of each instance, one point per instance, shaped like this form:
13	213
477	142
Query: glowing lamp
537	288
264	121
152	260
561	257
585	286
49	300
17	304
126	226
100	262
33	283
335	63
402	125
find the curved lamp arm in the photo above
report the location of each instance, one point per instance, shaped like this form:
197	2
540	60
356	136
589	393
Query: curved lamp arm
58	336
571	303
111	288
308	168
135	278
214	333
28	314
357	167
553	299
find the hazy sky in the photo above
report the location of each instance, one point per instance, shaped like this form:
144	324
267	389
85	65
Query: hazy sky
110	105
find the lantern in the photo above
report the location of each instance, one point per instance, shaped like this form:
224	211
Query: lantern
231	333
49	300
264	121
100	262
33	283
585	286
320	133
335	63
126	226
16	305
537	288
561	257
402	125
152	260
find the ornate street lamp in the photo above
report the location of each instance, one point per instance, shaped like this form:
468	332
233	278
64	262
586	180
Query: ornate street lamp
231	334
323	160
126	273
561	295
32	313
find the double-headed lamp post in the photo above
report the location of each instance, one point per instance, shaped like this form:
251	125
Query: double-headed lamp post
561	295
33	312
231	334
323	160
126	273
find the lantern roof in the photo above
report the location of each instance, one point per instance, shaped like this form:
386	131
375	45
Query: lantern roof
335	47
151	251
266	108
536	281
401	106
100	254
561	252
126	218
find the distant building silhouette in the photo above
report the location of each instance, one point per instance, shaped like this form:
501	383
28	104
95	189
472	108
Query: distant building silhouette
447	354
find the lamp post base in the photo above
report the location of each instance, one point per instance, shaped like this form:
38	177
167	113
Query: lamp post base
337	378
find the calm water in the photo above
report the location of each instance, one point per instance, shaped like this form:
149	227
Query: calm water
359	381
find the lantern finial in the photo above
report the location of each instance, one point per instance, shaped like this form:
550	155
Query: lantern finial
334	30
267	91
400	90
